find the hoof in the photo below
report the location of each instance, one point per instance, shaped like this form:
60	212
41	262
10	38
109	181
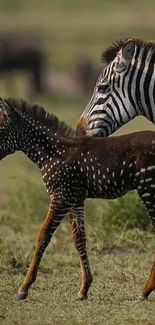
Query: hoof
81	297
21	295
141	298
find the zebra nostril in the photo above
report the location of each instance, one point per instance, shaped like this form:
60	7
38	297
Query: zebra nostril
99	134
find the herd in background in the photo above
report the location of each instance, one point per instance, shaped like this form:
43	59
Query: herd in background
26	54
23	54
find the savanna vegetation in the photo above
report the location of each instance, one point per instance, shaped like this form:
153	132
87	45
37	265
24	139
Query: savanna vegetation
120	240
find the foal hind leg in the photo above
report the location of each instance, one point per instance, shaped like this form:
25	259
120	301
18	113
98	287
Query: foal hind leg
148	197
76	217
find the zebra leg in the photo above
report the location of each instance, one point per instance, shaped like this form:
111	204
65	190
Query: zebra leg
54	216
148	197
78	235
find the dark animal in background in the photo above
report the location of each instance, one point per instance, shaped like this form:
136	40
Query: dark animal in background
74	169
21	53
86	74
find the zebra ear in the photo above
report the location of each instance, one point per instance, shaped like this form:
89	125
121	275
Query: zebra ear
128	50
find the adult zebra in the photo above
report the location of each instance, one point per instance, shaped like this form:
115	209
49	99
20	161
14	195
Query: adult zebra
124	90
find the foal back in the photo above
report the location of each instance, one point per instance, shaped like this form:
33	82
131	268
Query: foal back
100	167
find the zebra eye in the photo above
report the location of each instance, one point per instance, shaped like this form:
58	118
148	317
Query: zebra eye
120	67
103	88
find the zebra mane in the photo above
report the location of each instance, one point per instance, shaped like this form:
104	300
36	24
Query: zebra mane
111	51
38	114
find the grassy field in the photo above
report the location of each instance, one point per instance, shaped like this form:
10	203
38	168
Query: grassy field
120	242
117	281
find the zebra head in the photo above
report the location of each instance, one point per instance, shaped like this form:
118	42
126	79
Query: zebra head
124	90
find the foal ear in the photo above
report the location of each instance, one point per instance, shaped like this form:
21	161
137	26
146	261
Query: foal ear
6	109
128	50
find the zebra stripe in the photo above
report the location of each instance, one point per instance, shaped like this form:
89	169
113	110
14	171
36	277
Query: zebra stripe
124	90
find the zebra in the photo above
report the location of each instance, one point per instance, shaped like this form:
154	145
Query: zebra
124	90
76	168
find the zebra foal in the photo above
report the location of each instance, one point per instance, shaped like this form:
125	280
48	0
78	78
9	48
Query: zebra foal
74	169
124	90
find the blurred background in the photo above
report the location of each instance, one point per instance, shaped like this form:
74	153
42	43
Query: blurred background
50	54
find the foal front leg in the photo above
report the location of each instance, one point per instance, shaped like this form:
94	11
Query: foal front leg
76	217
147	197
150	284
54	216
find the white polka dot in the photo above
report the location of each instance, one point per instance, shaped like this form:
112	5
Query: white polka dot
150	167
145	194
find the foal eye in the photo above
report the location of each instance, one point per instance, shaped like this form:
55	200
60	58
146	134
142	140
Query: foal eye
103	88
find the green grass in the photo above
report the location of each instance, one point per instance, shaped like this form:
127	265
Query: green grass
118	279
120	242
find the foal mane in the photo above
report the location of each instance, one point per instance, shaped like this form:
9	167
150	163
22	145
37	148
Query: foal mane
111	51
37	114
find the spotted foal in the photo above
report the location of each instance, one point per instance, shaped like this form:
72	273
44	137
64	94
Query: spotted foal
74	169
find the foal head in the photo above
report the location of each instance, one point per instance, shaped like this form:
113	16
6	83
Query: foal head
27	127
